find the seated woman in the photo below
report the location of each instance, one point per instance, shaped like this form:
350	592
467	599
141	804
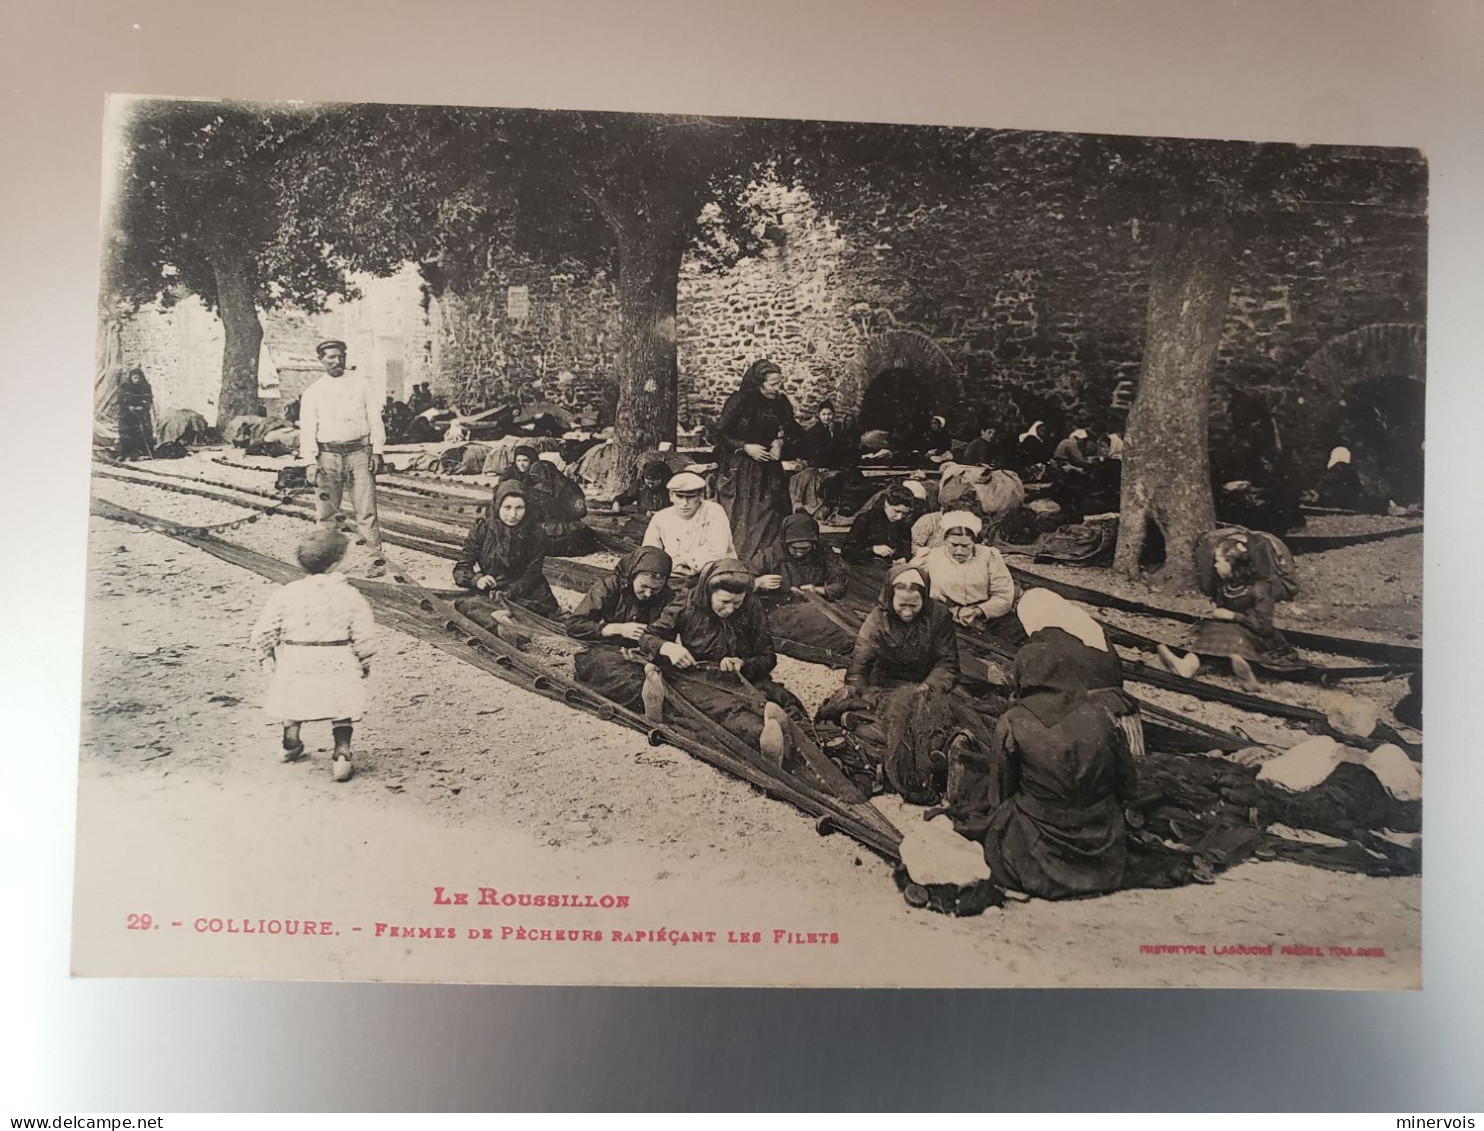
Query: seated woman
882	531
801	563
504	553
1342	486
1069	449
972	580
937	441
647	494
1031	450
1246	573
1060	778
556	502
615	612
900	696
705	639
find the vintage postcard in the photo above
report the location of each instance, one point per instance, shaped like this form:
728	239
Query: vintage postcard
584	547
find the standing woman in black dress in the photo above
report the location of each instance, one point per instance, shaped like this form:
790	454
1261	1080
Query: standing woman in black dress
136	416
756	424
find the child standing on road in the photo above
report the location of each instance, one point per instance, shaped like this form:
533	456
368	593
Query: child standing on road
315	637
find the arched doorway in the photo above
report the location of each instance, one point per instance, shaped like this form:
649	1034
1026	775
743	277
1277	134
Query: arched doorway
1366	391
899	402
1381	421
900	380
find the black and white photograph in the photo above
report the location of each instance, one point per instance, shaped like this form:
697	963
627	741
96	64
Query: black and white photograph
593	547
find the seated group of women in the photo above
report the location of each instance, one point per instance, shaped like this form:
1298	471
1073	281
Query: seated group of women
1042	779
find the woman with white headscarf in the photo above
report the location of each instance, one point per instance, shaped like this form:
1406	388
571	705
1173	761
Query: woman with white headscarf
1341	486
1069	451
1031	447
971	579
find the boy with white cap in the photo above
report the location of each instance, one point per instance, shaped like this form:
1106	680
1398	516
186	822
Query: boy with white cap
693	530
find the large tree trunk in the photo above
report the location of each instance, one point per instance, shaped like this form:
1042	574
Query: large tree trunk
237	305
650	249
1166	460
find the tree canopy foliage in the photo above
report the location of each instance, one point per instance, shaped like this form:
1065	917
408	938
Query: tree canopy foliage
254	207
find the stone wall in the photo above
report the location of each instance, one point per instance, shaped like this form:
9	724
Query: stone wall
789	304
1028	300
1028	297
526	333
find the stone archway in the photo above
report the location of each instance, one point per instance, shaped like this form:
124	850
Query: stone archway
897	377
1365	390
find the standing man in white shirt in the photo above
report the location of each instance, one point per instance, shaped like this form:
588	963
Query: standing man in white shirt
341	433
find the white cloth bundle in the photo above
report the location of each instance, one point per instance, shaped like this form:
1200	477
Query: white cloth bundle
1303	766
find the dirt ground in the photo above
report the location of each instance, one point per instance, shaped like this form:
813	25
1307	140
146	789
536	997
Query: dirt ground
464	781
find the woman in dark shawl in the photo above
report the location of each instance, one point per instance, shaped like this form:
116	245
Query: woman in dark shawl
798	564
647	493
556	502
615	612
710	636
136	416
882	531
1061	776
756	423
900	698
504	553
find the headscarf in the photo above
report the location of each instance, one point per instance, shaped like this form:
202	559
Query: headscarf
1033	430
1047	681
756	374
800	527
966	519
1339	455
1115	446
1079	434
712	575
906	575
917	487
514	546
1041	608
646	559
505	490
